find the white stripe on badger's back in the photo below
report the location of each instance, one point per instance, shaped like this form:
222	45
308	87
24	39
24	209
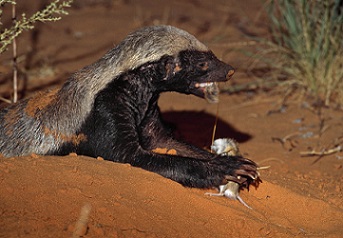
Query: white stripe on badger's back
151	43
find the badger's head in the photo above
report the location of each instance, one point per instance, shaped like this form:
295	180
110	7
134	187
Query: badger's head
197	72
186	65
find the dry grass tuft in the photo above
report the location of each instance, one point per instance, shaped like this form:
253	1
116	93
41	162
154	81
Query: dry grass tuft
305	49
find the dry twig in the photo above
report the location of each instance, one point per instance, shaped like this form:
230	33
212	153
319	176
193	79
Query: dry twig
322	153
287	138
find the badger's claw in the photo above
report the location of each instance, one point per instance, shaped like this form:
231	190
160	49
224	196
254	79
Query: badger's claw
234	168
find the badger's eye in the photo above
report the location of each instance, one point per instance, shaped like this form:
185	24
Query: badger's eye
203	65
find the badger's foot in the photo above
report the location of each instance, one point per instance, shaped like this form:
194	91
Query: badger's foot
234	168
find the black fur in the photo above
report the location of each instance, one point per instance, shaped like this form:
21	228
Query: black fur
125	124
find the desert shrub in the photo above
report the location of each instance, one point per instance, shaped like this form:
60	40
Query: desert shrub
8	35
306	47
47	14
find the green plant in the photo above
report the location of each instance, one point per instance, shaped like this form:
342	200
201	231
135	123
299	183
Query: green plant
306	46
8	35
47	14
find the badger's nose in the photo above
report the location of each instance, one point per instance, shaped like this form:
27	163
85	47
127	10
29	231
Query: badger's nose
230	73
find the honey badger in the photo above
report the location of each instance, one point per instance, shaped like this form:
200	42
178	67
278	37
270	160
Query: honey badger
109	109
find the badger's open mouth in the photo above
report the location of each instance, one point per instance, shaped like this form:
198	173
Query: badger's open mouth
208	90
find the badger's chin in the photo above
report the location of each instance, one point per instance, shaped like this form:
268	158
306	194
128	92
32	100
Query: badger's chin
207	90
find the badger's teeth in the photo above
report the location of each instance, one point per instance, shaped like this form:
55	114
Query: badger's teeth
203	85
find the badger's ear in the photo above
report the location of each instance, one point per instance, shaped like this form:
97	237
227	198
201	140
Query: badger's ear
169	67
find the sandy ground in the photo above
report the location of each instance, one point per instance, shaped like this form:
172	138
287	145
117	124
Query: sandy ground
301	196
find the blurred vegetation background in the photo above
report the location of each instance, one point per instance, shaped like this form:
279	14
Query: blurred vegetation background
305	48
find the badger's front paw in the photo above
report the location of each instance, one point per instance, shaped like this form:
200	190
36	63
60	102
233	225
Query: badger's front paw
237	169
